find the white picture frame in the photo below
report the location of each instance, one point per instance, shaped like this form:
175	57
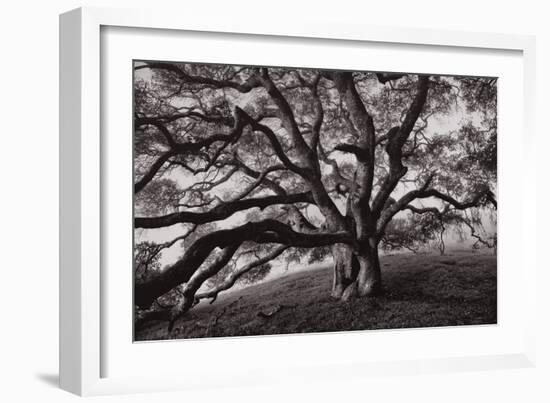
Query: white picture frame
84	340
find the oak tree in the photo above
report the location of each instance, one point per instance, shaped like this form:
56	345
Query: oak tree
250	164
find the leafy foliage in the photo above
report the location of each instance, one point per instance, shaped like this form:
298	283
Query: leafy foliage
159	197
146	260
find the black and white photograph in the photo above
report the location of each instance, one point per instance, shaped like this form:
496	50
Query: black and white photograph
280	200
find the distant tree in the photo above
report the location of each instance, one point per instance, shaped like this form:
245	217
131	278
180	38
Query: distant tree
147	260
273	163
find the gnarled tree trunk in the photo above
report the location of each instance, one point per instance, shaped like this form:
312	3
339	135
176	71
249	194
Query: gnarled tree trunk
369	280
345	272
356	274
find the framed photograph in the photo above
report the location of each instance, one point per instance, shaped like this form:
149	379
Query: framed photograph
289	203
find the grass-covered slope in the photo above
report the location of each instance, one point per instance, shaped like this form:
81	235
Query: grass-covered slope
420	291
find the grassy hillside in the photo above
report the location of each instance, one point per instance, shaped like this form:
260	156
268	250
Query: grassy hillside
420	291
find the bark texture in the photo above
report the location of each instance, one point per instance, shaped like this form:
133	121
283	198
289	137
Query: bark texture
356	274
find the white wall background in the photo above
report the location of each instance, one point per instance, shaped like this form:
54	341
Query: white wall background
29	201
